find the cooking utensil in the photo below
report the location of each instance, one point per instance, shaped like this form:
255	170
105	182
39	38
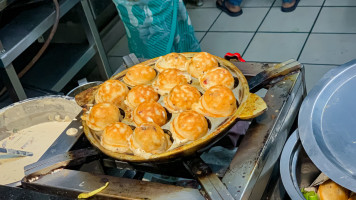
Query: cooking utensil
15	152
250	106
327	125
281	69
65	141
38	110
82	87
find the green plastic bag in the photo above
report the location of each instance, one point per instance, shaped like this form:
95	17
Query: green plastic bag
157	27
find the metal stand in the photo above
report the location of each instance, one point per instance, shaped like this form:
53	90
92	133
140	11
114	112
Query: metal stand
27	27
94	38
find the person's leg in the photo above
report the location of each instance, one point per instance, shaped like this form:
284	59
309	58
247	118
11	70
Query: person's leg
185	40
231	5
289	5
148	26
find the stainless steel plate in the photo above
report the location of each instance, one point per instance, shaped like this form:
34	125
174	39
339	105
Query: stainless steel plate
327	125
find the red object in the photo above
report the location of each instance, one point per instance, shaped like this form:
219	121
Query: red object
237	56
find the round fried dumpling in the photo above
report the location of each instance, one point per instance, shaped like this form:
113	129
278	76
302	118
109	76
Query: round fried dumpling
101	115
181	98
171	61
189	125
111	91
148	139
217	101
115	137
201	63
150	111
139	74
168	79
217	76
330	190
140	94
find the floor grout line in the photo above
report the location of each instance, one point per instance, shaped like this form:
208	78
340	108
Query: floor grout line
210	27
270	8
311	30
321	33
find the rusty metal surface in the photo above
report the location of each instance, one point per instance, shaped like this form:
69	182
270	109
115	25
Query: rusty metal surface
175	169
250	106
70	183
212	185
250	170
62	160
16	193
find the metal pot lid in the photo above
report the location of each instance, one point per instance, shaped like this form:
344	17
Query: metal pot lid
327	125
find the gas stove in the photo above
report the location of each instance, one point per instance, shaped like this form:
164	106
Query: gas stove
244	169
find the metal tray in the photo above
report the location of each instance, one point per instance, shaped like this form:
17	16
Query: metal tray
327	122
250	106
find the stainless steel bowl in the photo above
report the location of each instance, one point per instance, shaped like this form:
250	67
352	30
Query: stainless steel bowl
34	111
82	87
296	168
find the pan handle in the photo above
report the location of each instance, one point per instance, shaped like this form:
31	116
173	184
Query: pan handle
252	107
278	70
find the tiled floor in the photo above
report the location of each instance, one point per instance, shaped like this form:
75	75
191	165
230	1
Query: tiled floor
321	34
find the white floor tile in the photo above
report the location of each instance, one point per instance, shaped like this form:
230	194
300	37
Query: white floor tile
329	49
121	48
340	3
336	20
313	73
303	3
301	20
275	47
207	4
199	35
219	43
203	18
256	3
248	21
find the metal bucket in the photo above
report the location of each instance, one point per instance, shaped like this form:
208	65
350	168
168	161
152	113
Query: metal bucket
296	168
82	87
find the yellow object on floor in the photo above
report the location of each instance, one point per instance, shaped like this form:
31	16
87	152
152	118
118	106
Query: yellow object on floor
92	193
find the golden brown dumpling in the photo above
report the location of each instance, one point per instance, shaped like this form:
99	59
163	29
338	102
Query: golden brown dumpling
139	74
148	139
330	190
102	115
115	137
171	61
168	79
201	63
217	76
112	91
181	98
140	94
217	101
189	125
353	196
150	111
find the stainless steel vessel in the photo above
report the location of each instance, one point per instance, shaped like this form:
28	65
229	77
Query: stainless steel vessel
297	169
38	110
325	140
